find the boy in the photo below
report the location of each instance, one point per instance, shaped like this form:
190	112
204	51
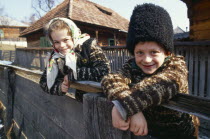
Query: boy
152	77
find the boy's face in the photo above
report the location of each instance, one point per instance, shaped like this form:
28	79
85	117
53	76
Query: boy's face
149	56
62	41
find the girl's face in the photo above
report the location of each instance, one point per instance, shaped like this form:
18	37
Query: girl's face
149	56
62	41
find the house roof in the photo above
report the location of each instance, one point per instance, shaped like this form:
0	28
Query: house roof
178	30
181	36
82	11
6	21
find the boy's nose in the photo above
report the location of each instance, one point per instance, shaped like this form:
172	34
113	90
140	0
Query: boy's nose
147	59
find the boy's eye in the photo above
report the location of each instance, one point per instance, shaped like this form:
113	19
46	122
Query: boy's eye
139	53
154	52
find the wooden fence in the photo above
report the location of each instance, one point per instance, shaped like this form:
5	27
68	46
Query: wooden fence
197	56
7	55
36	115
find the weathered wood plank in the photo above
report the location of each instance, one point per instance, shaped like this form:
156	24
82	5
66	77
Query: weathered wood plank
197	106
195	79
54	108
1	55
39	119
23	128
88	86
10	80
3	85
208	78
202	73
98	124
190	77
2	97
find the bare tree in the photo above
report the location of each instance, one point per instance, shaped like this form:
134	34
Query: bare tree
43	6
30	19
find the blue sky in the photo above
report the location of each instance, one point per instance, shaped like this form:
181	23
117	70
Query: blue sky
19	9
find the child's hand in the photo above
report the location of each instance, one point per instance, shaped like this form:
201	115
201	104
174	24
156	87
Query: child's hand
117	120
138	124
65	84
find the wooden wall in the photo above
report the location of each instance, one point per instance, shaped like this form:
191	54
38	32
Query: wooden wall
33	40
198	14
11	32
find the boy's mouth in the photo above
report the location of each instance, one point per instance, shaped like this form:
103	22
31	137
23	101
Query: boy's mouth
148	66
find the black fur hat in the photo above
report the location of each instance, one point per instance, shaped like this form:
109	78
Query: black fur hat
150	22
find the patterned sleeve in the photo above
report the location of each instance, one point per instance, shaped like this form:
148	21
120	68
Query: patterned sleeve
114	84
153	90
97	67
55	89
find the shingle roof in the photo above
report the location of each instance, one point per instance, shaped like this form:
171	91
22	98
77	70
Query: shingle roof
82	11
181	36
6	21
178	30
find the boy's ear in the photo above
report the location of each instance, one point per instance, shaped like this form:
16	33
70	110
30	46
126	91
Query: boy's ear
168	53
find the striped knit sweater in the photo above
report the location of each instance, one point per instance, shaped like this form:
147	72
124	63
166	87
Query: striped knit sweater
138	92
92	65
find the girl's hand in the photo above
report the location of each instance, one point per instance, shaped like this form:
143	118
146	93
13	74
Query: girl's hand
65	84
138	124
117	120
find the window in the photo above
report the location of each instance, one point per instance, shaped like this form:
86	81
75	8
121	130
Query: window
44	42
111	42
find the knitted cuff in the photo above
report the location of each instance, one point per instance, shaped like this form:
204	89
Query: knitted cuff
132	105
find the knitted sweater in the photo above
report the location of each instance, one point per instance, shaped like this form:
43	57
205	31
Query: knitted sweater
92	65
137	91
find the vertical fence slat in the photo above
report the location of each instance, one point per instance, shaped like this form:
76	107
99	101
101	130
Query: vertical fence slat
190	77
1	55
187	53
195	79
202	74
208	77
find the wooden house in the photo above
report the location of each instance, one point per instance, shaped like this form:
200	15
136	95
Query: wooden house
199	17
10	29
104	24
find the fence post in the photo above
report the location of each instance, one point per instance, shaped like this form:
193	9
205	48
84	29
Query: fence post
97	119
41	60
10	75
0	54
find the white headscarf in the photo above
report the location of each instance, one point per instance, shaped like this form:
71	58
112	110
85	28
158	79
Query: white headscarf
70	58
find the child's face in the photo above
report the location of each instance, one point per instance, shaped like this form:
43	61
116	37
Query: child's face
62	41
149	56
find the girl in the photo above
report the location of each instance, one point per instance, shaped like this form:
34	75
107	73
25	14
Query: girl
75	57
